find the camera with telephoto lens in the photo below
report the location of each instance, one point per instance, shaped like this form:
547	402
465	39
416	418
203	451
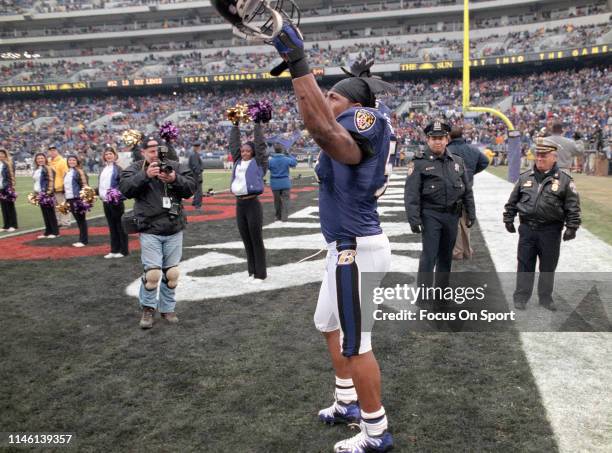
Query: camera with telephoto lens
162	156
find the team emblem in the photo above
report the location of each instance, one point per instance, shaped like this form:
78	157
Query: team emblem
346	257
364	120
410	168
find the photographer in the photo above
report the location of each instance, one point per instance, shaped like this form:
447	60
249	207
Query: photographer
158	185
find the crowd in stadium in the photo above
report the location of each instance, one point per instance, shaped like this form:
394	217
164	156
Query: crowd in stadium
225	60
58	6
545	96
196	20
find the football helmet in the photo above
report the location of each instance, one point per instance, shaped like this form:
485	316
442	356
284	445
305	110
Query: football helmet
258	19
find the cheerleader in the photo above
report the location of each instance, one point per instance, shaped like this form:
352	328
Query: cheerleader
251	164
7	192
74	180
44	188
108	190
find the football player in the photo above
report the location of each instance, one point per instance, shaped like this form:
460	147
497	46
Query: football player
355	141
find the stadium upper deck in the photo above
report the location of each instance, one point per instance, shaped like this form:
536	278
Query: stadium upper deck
86	48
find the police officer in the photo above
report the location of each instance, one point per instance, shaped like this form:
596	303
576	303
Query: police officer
437	188
474	162
197	167
545	198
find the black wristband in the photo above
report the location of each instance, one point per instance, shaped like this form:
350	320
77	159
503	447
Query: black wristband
299	68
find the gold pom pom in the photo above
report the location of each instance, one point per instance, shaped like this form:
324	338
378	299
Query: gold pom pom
131	137
238	114
63	207
88	195
33	198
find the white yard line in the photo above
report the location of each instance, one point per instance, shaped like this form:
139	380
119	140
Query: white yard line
573	371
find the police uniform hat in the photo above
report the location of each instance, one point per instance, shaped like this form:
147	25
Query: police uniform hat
437	128
545	145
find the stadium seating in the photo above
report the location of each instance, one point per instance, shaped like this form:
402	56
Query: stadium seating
27	126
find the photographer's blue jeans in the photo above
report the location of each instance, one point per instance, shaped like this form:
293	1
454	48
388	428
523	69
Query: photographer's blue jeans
160	252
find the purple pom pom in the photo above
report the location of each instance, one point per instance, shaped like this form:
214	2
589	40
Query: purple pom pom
113	196
81	207
46	200
168	131
8	194
260	111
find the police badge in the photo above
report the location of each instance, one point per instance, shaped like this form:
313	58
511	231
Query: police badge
364	120
555	185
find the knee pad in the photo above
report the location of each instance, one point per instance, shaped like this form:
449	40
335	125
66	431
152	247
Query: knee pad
171	276
151	278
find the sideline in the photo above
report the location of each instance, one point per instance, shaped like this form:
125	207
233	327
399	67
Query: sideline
572	370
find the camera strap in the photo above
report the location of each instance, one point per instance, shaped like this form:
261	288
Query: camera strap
166	201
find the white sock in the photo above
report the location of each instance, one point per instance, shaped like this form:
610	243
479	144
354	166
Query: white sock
345	390
375	423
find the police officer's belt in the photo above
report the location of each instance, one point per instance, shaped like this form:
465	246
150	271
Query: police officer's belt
454	209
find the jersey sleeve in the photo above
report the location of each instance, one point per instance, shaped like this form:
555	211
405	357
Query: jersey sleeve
366	126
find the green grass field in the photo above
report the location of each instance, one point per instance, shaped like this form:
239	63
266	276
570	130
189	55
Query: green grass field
243	373
595	201
30	217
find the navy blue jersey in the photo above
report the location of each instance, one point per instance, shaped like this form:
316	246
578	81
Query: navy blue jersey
348	193
386	111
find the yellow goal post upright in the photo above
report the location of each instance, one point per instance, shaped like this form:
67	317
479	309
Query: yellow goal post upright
513	145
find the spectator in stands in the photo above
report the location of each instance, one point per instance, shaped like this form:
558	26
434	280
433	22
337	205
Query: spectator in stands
44	183
567	149
280	182
112	199
7	191
75	180
250	166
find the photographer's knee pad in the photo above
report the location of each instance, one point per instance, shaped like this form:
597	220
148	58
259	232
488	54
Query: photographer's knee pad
171	276
151	278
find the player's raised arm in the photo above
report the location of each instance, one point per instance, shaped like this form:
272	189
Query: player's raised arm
318	117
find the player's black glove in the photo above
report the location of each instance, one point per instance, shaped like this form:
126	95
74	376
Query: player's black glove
469	223
360	68
510	227
290	45
570	233
416	229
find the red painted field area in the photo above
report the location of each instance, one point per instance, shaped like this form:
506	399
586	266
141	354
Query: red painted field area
28	247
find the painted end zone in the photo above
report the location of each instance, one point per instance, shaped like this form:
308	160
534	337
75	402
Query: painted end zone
28	247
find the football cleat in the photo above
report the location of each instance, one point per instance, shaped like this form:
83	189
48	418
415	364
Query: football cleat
362	443
341	413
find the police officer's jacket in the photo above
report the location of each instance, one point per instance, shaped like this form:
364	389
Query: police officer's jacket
148	194
554	201
473	159
439	183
